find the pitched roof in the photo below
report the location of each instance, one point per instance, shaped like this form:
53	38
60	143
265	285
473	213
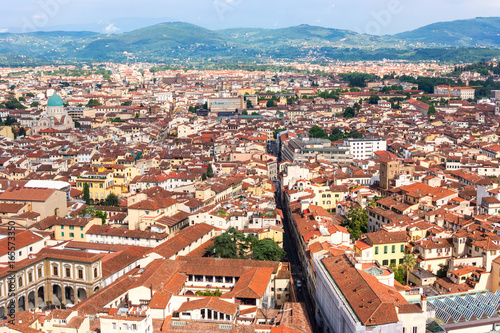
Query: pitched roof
373	302
26	194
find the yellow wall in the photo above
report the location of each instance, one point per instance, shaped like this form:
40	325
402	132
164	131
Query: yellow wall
385	258
275	235
63	232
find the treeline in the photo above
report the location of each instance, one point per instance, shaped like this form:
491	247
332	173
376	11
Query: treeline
335	135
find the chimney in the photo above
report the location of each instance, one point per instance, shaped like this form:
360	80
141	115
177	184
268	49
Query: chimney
423	303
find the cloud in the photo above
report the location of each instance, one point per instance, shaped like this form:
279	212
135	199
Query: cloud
111	29
4	30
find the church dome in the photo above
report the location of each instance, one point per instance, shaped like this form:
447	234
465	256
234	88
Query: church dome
55	101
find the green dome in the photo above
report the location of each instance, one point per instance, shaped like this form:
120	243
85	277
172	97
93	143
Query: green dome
55	100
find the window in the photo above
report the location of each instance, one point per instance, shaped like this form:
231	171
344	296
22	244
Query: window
114	326
55	270
385	262
68	272
394	249
385	249
415	330
95	272
20	282
80	273
71	234
62	234
62	227
376	249
39	272
81	235
402	248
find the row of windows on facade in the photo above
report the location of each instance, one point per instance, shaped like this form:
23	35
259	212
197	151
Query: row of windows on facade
55	272
393	249
126	327
329	196
71	234
101	185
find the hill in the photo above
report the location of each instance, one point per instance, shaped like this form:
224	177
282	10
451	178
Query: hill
478	39
481	31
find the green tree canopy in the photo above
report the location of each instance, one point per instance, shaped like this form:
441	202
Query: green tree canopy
432	110
349	112
93	102
210	171
86	193
409	262
270	103
374	99
357	221
268	250
224	247
112	200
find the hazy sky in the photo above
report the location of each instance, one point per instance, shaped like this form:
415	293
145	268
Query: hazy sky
368	16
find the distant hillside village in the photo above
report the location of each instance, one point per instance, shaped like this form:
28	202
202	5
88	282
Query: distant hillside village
352	197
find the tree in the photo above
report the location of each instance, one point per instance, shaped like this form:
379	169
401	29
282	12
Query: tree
209	293
34	104
224	247
204	176
210	171
9	120
244	113
93	102
374	99
432	110
249	104
22	131
357	221
317	132
268	250
408	263
127	103
137	114
442	271
270	104
399	273
349	112
102	215
14	104
112	200
86	193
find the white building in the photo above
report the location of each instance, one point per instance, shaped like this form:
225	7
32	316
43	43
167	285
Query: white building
351	301
364	149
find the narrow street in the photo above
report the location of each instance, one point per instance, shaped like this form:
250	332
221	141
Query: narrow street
302	293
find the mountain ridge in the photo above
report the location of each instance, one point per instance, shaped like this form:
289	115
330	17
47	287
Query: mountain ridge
181	40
